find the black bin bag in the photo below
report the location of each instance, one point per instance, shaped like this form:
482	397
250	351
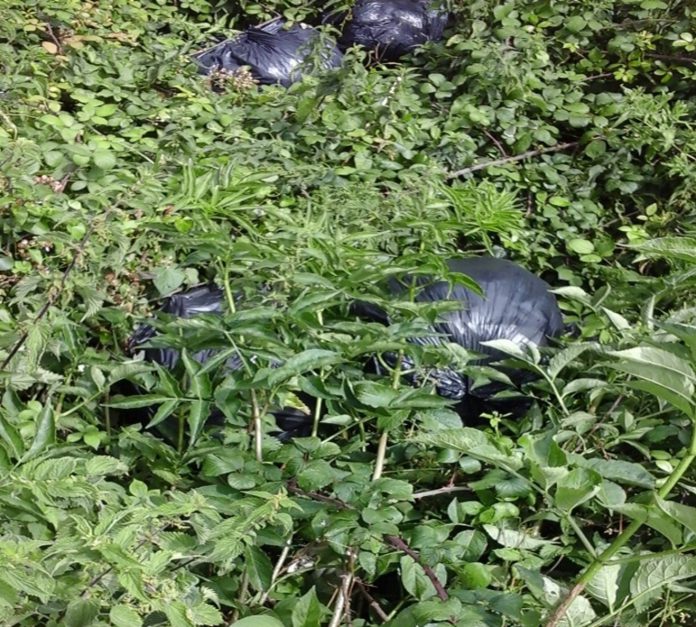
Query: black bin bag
391	28
273	54
209	299
516	306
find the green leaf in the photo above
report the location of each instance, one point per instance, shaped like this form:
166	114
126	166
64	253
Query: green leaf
511	538
683	248
258	567
258	621
375	394
475	575
604	586
653	575
307	611
311	359
168	279
124	616
566	357
135	402
581	246
683	514
45	432
575	23
628	473
81	613
578	486
655	518
474	443
204	614
104	159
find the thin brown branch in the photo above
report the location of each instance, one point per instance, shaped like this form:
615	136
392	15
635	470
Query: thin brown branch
383	616
561	610
521	157
398	543
670	57
316	496
497	143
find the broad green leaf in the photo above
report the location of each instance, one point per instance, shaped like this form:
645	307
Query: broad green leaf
566	357
375	394
163	412
81	613
311	359
653	575
604	586
416	582
514	539
683	514
204	614
102	465
168	279
307	611
474	443
578	486
258	567
12	438
104	159
655	518
124	616
45	432
618	470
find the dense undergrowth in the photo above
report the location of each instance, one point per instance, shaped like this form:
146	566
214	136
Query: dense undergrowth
124	178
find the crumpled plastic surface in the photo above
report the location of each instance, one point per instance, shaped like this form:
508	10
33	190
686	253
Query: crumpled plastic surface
274	55
516	305
209	299
390	27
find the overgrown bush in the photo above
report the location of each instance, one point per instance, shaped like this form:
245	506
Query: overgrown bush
558	134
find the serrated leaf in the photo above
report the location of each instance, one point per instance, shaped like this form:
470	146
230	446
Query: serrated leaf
511	538
653	575
102	465
565	357
168	279
205	614
683	248
124	616
474	443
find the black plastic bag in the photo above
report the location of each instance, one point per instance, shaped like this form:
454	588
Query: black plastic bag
273	54
515	306
391	28
209	299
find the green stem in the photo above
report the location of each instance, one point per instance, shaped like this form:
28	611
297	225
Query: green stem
622	539
317	414
382	446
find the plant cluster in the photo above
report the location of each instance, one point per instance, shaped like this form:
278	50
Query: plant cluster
558	134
